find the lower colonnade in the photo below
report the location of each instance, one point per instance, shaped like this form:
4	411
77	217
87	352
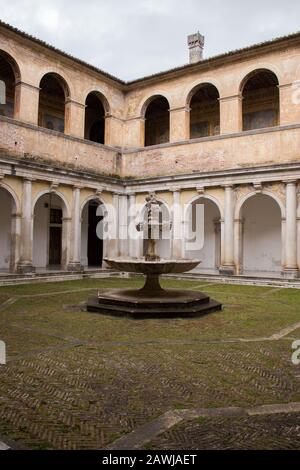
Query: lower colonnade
232	227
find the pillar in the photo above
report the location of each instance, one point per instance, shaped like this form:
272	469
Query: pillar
290	259
238	245
75	239
26	246
74	119
113	131
113	241
228	267
133	234
134	132
26	103
177	221
123	226
179	124
15	240
231	115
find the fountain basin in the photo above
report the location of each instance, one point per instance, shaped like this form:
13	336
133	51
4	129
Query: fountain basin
152	267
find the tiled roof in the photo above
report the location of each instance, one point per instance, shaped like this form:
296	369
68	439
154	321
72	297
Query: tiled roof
158	74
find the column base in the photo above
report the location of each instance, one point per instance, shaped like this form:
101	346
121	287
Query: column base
25	268
290	273
227	270
75	266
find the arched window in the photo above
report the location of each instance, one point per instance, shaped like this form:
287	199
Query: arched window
9	73
157	121
53	95
260	100
94	118
204	112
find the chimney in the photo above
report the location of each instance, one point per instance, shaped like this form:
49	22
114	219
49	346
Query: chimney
196	46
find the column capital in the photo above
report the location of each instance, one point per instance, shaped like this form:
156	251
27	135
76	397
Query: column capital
75	103
78	186
180	108
27	85
28	179
293	181
239	97
228	186
176	189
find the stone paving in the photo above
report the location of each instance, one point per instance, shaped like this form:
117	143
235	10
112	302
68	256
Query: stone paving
87	391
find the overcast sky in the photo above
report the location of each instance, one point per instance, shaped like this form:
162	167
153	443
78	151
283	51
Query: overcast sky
133	38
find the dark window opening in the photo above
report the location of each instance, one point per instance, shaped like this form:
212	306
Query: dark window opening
52	103
157	122
94	119
7	87
205	112
261	101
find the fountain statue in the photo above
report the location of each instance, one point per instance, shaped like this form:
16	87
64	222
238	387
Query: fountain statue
152	301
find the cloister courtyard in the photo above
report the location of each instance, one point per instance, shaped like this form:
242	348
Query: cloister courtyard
78	380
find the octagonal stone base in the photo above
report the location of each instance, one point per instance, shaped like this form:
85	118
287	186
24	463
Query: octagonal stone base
162	304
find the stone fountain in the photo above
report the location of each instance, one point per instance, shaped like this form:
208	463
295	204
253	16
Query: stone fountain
152	301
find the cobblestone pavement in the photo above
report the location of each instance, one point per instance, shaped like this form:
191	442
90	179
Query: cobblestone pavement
280	432
75	387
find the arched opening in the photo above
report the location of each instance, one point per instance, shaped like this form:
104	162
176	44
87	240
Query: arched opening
94	118
163	242
7	231
92	234
49	232
157	122
261	247
53	95
8	78
204	112
210	253
260	100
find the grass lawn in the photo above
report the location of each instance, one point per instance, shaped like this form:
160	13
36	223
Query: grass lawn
77	380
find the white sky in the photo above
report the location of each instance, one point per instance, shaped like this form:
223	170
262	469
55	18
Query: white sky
133	38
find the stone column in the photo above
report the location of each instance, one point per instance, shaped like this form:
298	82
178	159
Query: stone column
74	118
113	131
26	102
134	132
177	220
75	240
179	124
231	118
238	245
290	264
16	220
113	241
123	226
133	233
228	267
26	246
